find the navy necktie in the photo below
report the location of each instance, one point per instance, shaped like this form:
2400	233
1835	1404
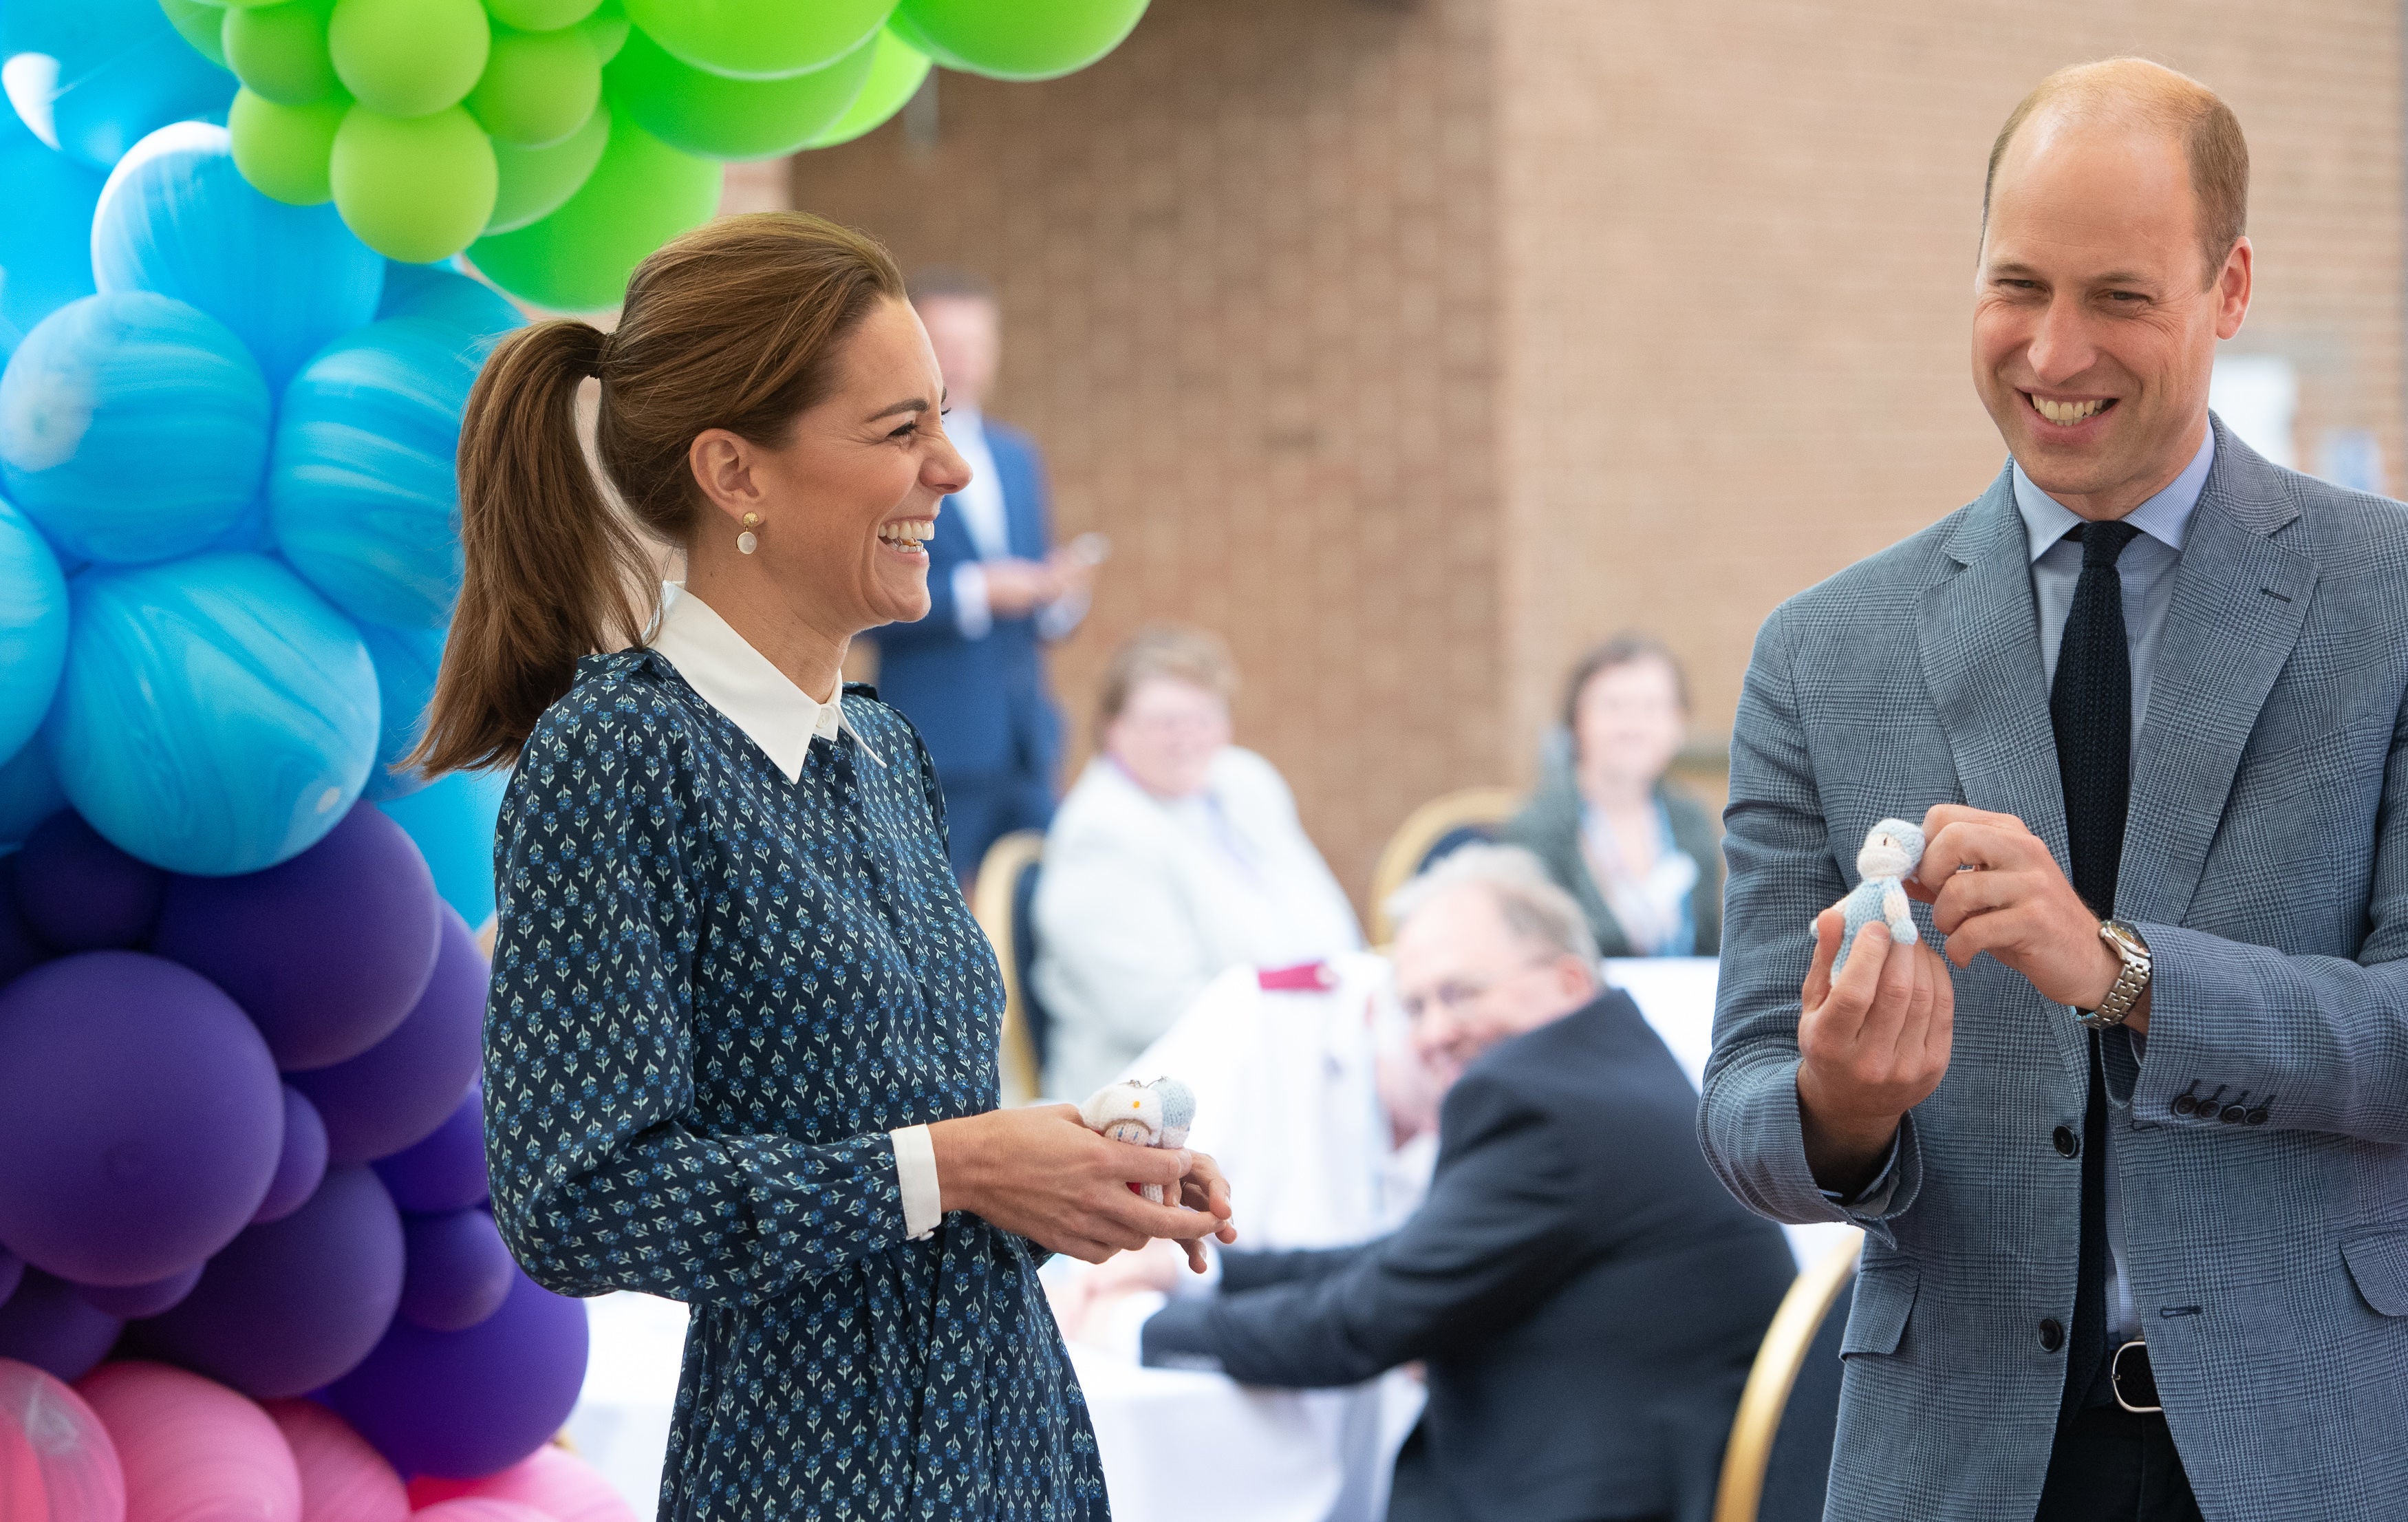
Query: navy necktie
2090	706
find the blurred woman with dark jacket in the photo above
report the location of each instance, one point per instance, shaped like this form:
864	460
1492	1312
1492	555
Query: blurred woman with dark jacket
1644	858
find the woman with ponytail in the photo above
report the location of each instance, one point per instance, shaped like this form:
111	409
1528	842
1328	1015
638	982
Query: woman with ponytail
741	1048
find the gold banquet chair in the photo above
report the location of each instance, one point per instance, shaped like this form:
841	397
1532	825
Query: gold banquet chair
999	899
1787	1344
1429	832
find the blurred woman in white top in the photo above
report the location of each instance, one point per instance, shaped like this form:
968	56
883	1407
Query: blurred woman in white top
1176	856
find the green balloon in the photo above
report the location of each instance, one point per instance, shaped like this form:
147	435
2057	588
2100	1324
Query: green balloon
279	52
1017	39
416	188
606	29
539	87
535	181
641	195
896	70
759	39
409	57
540	15
199	23
284	150
713	116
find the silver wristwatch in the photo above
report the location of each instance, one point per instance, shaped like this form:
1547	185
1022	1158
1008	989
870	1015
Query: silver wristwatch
2126	942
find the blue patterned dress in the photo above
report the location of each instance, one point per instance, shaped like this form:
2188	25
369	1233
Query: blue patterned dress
715	992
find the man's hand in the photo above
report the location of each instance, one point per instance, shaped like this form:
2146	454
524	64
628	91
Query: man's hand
2015	904
1872	1045
1015	587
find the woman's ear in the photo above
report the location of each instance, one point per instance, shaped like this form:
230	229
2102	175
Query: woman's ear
724	465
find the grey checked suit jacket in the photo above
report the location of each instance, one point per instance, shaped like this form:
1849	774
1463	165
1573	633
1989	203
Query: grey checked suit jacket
2266	861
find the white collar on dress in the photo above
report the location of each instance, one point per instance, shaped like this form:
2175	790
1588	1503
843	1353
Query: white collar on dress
741	682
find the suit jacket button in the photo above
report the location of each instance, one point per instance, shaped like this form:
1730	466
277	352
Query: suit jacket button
2184	1104
2067	1144
2258	1116
2052	1334
2233	1114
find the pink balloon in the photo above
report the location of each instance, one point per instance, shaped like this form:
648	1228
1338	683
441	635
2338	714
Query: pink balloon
193	1451
342	1478
479	1509
56	1461
553	1480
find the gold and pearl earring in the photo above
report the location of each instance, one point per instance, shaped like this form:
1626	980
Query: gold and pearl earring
749	541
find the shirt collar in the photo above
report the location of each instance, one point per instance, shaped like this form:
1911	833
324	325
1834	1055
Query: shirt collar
741	682
2164	517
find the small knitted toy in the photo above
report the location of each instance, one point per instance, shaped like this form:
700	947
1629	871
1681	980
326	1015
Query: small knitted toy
1892	848
1156	1114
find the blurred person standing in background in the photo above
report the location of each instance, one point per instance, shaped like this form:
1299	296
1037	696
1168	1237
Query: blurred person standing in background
1177	856
971	674
1643	859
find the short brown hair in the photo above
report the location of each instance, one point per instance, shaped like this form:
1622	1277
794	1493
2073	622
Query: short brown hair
2156	97
1197	656
734	325
1623	649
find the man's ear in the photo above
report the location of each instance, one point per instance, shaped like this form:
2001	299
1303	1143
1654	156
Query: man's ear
722	465
1575	978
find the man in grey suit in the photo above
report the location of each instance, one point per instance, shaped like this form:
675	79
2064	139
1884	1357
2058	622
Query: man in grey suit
2135	1183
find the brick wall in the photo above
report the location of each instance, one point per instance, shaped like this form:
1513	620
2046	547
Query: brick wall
1414	345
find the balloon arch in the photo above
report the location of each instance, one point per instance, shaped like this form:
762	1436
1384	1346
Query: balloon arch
246	1248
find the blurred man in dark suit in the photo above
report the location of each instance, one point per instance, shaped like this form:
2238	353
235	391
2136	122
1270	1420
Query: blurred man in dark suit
1588	1301
972	675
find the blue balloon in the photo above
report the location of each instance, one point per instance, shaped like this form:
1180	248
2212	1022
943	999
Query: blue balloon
29	794
133	428
216	717
46	238
177	218
438	291
33	628
452	820
406	662
362	491
113	72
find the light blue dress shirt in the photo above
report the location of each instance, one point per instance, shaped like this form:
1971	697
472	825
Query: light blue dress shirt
2147	570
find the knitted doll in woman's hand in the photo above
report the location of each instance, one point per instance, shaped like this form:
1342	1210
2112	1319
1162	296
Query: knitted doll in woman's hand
1156	1114
1892	850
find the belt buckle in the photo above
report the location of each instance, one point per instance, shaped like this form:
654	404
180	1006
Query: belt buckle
2145	1380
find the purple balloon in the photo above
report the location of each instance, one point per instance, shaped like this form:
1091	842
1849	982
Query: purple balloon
295	1303
47	1325
12	1269
20	950
141	1299
141	1118
328	952
462	1405
459	1272
79	893
447	1170
396	1094
302	1164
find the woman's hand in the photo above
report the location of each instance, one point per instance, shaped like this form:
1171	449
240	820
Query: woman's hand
1039	1172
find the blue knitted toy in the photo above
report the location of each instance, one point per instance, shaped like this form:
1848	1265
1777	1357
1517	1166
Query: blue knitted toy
1892	848
1155	1114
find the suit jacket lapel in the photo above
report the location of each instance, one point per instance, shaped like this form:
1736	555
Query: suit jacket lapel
1979	635
2238	601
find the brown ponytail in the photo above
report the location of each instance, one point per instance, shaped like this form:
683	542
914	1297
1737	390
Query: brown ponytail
734	325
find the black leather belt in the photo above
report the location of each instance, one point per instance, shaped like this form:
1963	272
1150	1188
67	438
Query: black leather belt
2134	1383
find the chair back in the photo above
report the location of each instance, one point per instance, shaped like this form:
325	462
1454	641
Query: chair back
1778	1462
1001	898
1442	824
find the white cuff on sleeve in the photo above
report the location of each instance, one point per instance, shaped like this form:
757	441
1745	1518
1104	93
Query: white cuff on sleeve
915	1173
972	613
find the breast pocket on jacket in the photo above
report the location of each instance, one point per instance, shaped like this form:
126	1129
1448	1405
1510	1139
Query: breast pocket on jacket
1885	1298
